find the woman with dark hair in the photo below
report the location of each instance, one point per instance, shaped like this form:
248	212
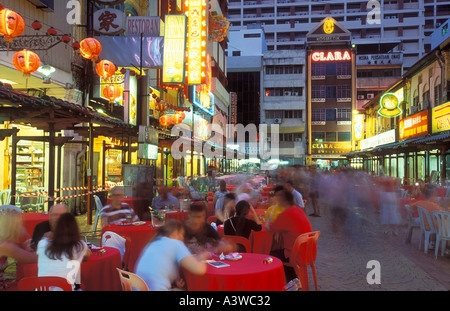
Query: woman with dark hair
159	262
225	208
240	225
61	253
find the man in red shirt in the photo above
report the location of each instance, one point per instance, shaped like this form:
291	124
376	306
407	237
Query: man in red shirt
290	223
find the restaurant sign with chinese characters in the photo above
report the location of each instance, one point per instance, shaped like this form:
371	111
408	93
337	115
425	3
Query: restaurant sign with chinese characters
414	125
441	118
174	49
196	11
109	21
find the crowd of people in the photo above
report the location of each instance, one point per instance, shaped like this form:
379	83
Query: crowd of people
57	242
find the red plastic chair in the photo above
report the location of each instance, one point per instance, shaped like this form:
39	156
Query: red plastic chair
239	240
304	254
211	219
43	284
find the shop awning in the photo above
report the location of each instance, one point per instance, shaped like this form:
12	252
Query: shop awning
444	137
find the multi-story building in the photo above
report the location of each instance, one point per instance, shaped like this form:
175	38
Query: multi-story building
405	23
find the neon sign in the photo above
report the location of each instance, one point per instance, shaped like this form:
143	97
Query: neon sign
174	49
195	10
389	106
328	26
203	98
331	56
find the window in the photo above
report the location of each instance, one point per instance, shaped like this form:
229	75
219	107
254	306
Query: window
331	69
318	115
343	69
318	70
344	136
331	114
252	35
318	91
318	136
344	114
274	114
331	91
292	114
330	136
236	53
344	91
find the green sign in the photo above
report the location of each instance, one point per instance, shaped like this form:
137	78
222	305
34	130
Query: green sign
389	106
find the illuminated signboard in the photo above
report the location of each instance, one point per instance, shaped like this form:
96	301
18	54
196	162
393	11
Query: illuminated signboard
331	147
358	126
331	56
441	118
390	105
204	100
328	26
414	125
378	140
174	49
197	15
148	151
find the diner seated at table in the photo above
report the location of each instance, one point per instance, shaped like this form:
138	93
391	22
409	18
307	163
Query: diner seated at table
201	236
165	199
240	225
117	211
159	263
62	254
298	198
47	227
247	193
225	208
274	209
14	242
417	191
290	223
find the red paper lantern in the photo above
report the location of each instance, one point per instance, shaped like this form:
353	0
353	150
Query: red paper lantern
160	106
36	25
65	39
176	118
90	48
182	115
111	92
165	120
26	62
105	69
12	24
123	71
76	46
52	31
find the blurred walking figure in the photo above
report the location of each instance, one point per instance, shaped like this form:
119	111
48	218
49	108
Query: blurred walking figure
314	192
389	195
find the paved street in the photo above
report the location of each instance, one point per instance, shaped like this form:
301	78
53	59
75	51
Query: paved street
343	256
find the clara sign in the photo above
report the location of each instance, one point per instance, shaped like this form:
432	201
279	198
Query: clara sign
331	56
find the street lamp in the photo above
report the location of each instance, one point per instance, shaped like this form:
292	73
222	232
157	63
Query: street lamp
46	71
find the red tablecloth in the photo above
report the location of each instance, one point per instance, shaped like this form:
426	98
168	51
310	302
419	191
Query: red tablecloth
140	236
139	205
30	220
98	273
247	274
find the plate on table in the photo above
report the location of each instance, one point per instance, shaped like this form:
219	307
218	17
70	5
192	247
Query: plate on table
139	223
233	256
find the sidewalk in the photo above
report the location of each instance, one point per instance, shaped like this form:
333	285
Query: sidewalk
342	256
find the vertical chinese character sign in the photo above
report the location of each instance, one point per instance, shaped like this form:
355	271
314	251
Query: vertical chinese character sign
174	49
197	15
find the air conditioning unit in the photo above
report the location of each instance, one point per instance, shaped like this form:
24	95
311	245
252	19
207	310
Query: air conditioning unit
277	121
360	96
287	93
370	96
298	139
424	105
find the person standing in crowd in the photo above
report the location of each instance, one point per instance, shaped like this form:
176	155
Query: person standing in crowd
221	192
240	225
13	242
314	192
298	198
117	211
165	199
47	227
159	263
225	208
62	254
290	223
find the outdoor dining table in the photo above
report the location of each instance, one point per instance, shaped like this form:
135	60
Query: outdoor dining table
260	241
98	273
178	215
30	220
246	274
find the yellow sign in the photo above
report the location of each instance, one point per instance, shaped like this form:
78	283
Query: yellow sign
328	26
174	49
358	126
389	106
440	119
196	11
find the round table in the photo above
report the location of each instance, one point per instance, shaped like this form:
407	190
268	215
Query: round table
247	274
140	236
98	273
181	216
260	241
139	205
30	220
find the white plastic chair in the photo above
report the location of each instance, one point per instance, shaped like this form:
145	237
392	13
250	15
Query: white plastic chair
443	230
413	222
6	208
5	197
424	214
98	211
